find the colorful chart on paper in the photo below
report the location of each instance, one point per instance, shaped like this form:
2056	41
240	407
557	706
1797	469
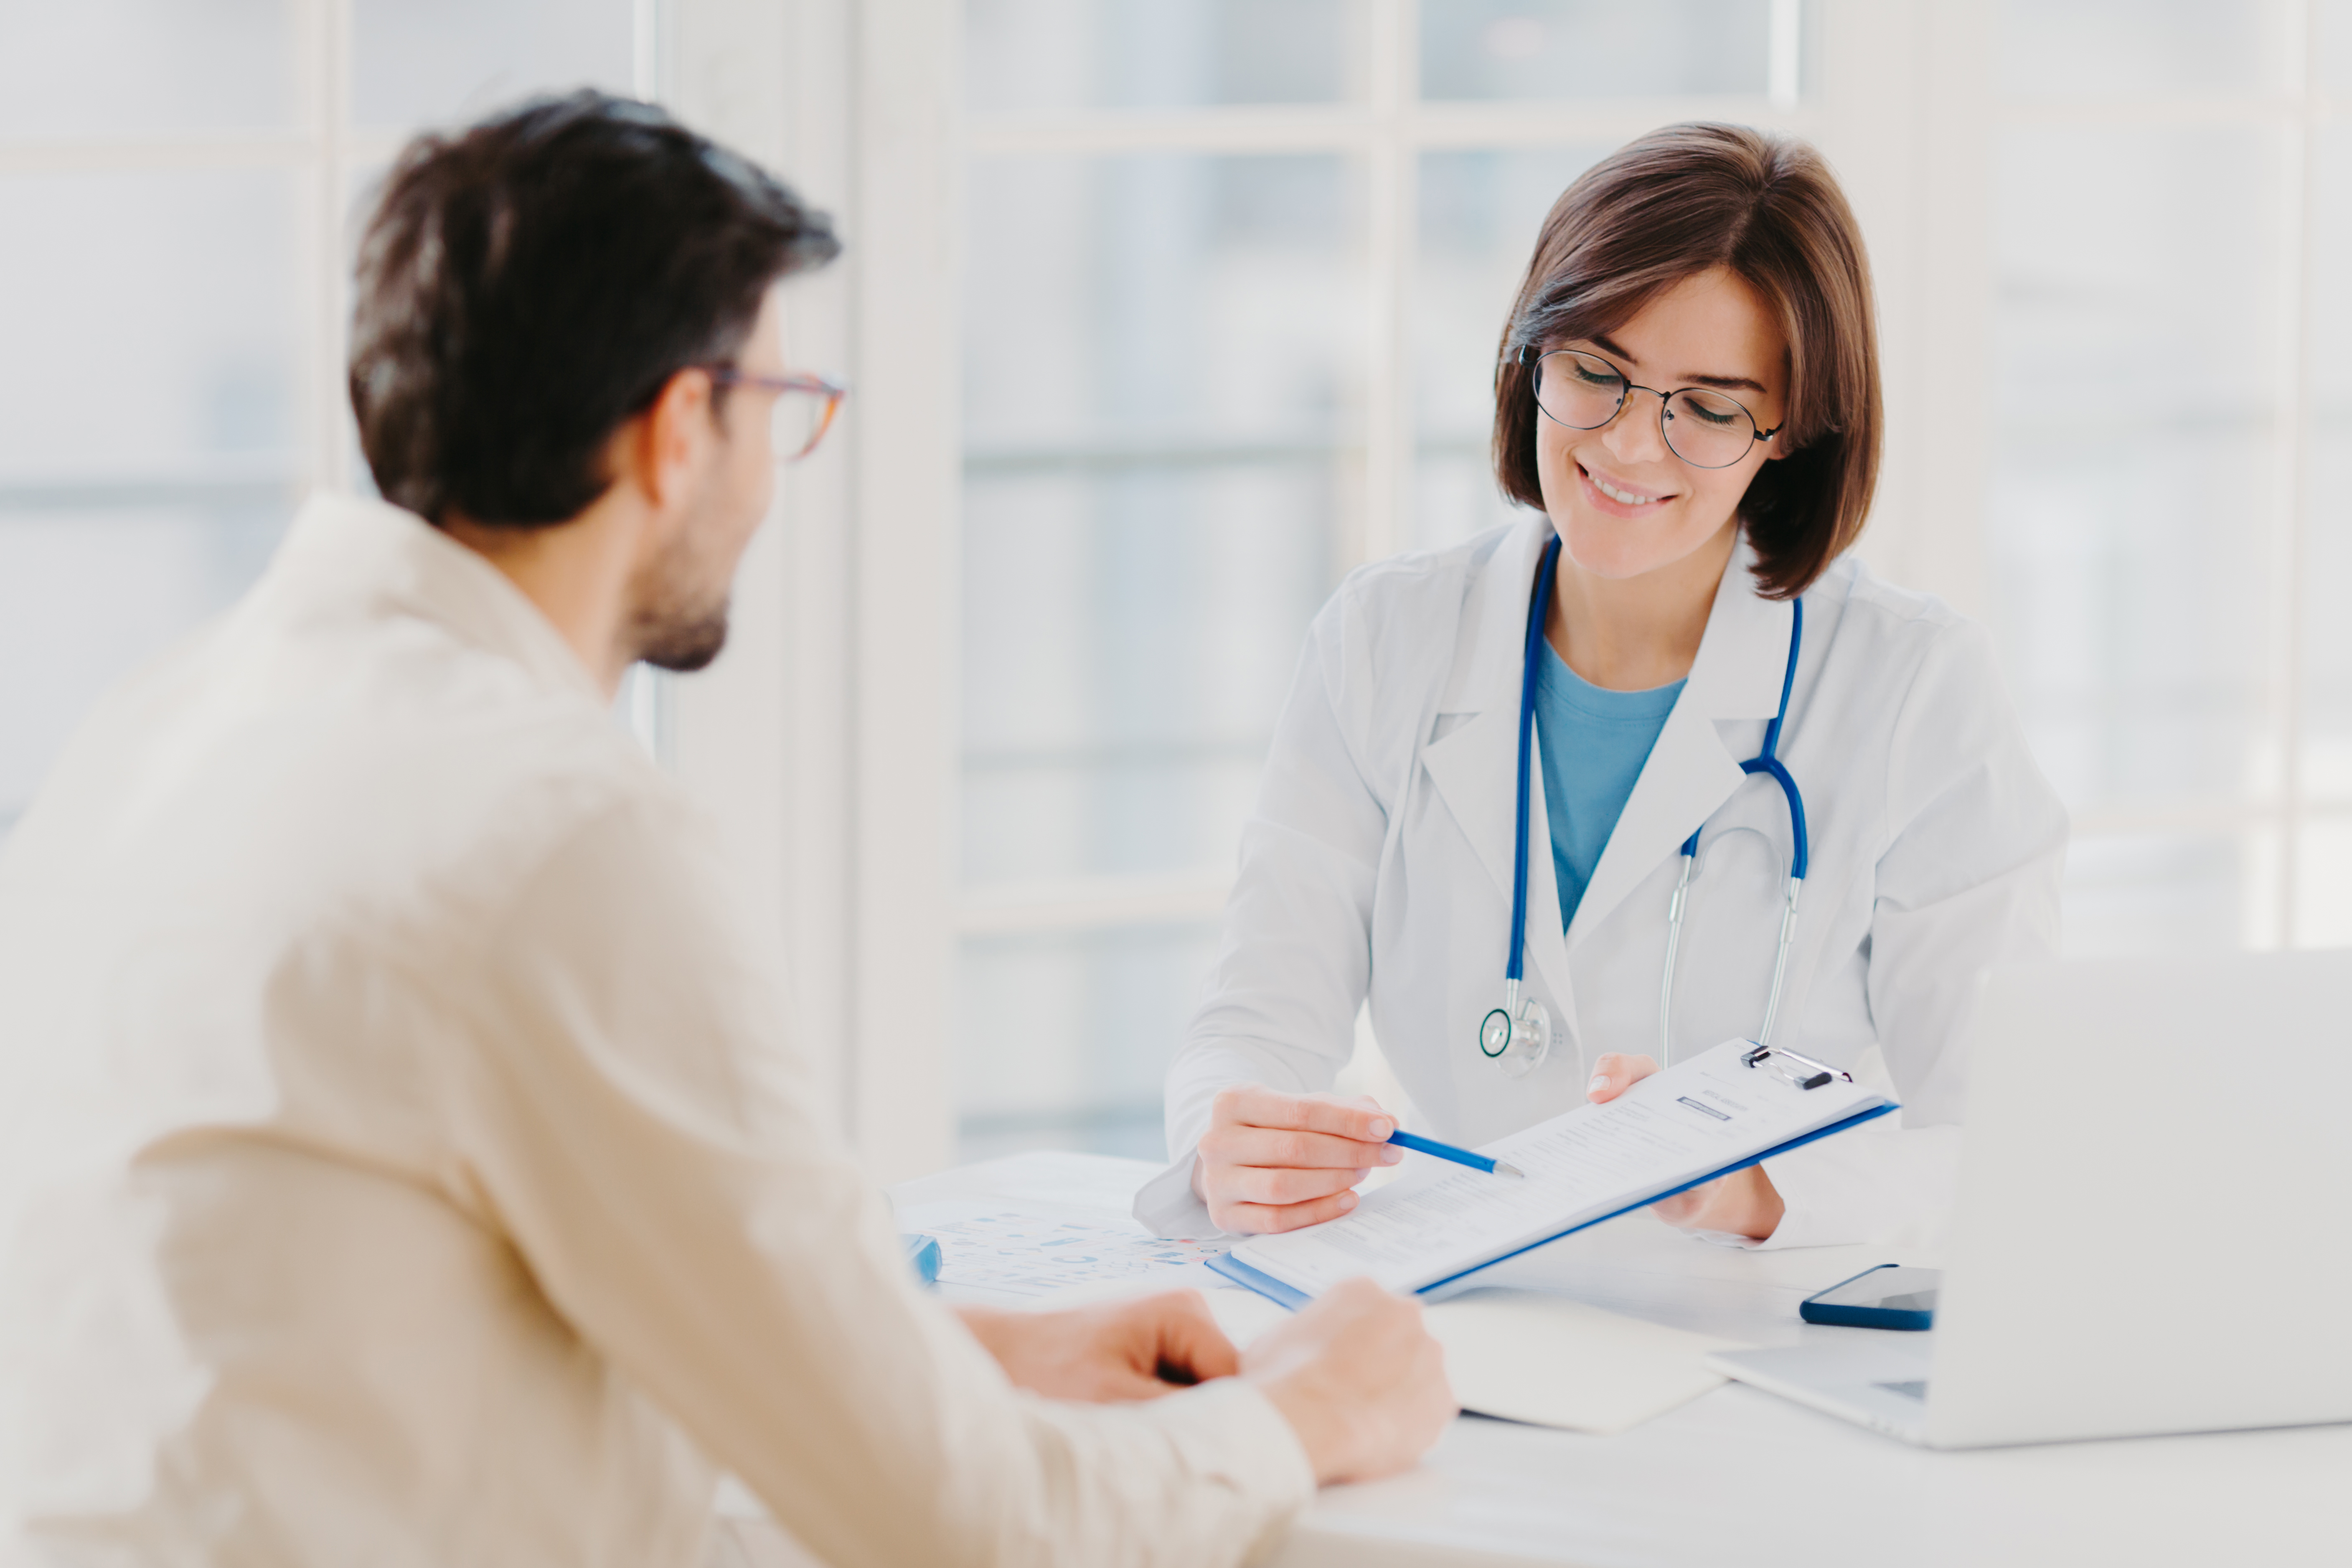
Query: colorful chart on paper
1030	1254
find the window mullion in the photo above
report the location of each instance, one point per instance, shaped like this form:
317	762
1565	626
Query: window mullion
1388	238
2299	194
328	63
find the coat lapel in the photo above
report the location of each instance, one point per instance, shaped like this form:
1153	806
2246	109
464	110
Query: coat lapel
1473	762
1693	768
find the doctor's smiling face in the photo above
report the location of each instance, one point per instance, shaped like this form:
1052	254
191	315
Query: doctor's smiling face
1624	503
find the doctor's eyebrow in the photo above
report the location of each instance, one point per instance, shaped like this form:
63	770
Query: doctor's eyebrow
1688	378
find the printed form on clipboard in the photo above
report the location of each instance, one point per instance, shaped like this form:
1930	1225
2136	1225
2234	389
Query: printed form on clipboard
1721	1110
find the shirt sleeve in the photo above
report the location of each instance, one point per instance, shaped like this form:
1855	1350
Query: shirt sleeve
1295	958
1970	880
662	1162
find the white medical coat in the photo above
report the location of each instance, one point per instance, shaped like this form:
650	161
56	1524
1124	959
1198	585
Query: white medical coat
1377	869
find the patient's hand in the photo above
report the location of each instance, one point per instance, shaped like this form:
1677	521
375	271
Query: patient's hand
1123	1349
1741	1204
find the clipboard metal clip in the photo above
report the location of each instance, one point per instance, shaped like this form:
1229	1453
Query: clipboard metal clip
1790	1067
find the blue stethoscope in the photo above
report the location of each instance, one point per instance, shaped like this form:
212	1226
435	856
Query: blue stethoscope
1517	1034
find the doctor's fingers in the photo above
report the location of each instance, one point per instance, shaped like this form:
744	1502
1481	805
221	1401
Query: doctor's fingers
1255	1105
1264	1184
1230	1146
1268	1219
1614	1072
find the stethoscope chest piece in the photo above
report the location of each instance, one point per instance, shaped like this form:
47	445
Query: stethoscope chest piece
1516	1038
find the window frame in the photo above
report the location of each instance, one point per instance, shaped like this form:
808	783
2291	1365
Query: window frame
825	744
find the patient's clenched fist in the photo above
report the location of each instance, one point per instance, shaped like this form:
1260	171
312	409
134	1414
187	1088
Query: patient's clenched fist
1137	1348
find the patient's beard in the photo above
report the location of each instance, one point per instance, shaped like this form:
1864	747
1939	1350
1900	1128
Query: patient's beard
676	621
684	645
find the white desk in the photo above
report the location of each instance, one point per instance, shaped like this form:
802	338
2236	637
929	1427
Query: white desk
1741	1477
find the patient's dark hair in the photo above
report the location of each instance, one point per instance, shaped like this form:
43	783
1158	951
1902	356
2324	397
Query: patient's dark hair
527	286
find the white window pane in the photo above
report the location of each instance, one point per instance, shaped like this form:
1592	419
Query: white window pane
1594	49
2327	558
1130	632
2322	886
90	593
1454	496
2131	498
1479	215
151	427
1032	55
1167	297
2135	894
2095	48
1065	1038
2332	45
153	324
1162	366
434	61
131	67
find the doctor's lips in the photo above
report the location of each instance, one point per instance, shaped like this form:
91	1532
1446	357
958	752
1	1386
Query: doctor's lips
1626	495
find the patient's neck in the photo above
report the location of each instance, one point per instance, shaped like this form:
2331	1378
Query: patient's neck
577	572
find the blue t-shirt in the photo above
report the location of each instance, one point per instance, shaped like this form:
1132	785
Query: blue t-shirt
1593	742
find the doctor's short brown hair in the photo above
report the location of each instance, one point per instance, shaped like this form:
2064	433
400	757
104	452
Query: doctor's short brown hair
1681	201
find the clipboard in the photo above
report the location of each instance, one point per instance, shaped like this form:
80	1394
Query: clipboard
1801	1071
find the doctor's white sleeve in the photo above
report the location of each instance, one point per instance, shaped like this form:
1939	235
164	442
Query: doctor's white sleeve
1295	958
665	1165
1970	880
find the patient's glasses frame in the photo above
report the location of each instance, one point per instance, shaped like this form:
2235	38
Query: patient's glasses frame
784	386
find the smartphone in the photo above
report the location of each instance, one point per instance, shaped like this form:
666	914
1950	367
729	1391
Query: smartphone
1887	1297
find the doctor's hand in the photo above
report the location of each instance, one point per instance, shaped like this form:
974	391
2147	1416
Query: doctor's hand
1743	1203
1137	1348
1273	1162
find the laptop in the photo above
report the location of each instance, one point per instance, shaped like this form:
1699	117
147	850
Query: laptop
2154	1230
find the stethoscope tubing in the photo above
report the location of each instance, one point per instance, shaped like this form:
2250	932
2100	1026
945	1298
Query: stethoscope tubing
1538	611
1766	761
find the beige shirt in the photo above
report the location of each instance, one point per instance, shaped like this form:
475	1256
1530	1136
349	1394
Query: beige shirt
401	1161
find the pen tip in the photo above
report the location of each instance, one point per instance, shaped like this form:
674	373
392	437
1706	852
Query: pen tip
1501	1169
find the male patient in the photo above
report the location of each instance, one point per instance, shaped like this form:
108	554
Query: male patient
400	1159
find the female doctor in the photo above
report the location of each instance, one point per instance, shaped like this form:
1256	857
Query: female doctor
1768	795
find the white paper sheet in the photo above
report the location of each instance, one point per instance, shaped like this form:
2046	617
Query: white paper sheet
1545	1360
1693	1118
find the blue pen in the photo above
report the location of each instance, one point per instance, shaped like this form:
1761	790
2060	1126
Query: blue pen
1459	1156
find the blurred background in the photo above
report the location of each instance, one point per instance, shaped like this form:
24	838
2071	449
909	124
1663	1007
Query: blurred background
1190	306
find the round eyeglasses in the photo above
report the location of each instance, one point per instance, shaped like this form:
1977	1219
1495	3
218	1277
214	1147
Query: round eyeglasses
1704	427
802	411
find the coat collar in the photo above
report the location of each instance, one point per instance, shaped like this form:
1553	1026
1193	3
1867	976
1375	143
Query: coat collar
1691	772
1694	767
349	555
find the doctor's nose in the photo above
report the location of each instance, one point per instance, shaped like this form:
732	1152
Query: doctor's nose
1634	436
